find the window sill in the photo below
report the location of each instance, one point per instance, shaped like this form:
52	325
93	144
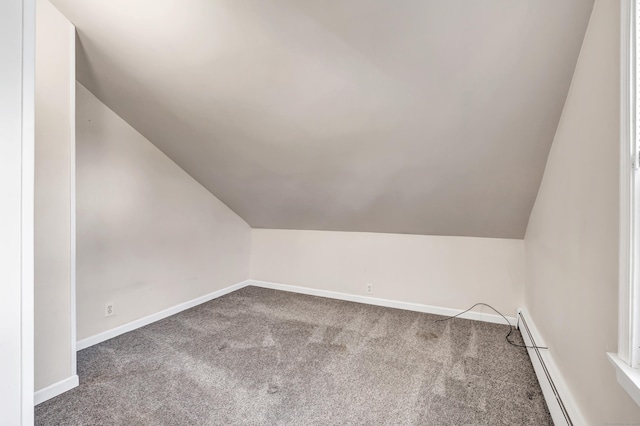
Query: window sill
628	378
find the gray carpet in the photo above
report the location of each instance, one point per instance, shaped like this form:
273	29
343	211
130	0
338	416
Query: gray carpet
266	357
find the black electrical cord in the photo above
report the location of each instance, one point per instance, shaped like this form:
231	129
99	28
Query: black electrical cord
505	318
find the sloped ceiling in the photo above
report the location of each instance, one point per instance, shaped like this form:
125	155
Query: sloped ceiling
415	116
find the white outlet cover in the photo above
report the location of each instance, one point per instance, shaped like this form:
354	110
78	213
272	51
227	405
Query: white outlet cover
108	309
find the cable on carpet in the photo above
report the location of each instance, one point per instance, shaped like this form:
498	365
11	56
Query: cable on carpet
505	318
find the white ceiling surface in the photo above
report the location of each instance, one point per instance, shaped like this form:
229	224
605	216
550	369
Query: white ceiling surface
416	116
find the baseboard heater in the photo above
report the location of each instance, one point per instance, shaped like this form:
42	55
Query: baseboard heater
561	406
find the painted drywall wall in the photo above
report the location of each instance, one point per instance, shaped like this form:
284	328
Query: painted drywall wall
55	80
17	46
428	117
571	244
148	236
451	272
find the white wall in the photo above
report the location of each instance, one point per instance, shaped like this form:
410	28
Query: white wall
451	272
414	116
571	243
17	47
148	236
55	79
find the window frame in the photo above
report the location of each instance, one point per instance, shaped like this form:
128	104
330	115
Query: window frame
627	360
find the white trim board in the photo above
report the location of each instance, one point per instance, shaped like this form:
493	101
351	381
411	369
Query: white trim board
72	185
628	378
133	325
629	236
56	389
416	307
27	351
627	360
562	406
407	306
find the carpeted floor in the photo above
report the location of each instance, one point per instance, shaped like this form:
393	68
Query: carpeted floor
266	357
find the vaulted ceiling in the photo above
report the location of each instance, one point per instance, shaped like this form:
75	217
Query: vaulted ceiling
414	116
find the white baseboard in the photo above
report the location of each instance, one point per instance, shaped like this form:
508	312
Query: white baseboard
416	307
133	325
407	306
562	406
55	389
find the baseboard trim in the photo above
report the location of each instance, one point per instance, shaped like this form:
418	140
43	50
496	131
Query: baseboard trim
562	406
407	306
133	325
55	389
416	307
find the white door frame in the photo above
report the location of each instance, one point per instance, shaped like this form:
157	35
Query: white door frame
17	88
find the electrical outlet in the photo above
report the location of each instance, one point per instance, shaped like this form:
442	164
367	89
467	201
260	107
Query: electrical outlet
108	309
369	288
